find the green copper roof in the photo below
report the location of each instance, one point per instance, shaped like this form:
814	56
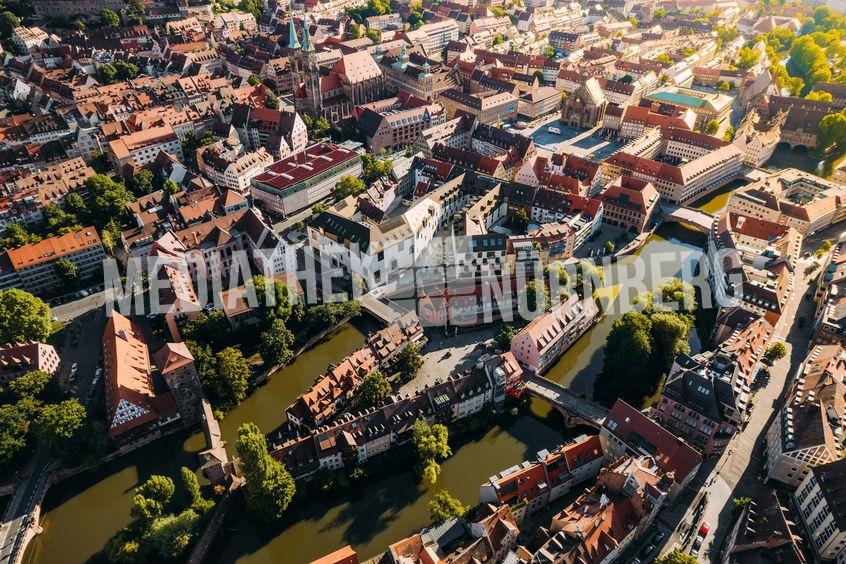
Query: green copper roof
293	42
308	46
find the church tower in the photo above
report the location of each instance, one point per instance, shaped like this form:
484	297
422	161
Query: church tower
306	74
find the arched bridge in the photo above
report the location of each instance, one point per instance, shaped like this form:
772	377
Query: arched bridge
692	217
576	409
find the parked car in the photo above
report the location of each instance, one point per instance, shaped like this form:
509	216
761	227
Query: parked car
700	537
74	367
554	130
659	536
697	544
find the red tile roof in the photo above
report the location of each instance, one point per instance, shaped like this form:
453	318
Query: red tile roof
635	429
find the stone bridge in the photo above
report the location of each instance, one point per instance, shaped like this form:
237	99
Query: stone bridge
691	217
576	409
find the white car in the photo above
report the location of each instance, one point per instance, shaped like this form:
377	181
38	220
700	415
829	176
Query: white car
554	130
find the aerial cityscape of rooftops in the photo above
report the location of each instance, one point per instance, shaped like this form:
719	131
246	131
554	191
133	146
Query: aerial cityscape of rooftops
423	281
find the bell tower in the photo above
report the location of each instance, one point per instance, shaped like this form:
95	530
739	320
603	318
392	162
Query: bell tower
306	74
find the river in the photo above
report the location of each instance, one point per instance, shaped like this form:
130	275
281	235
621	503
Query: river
83	512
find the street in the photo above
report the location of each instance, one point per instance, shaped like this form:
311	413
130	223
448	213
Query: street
85	320
735	473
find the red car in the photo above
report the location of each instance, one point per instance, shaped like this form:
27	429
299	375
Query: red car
704	528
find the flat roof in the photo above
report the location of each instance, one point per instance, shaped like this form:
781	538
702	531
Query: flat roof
679	99
300	167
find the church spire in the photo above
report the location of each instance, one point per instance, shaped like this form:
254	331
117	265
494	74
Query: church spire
308	47
293	42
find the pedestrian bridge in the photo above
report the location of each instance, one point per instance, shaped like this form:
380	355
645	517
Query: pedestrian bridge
691	217
382	309
576	409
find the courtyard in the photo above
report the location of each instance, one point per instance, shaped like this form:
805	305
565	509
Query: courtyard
583	143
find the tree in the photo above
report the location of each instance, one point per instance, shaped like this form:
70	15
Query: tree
253	80
609	247
14	426
67	271
538	74
776	351
141	182
375	168
58	221
8	23
374	389
660	13
233	374
254	7
589	277
537	295
192	491
30	385
125	71
728	136
208	329
59	424
521	220
273	303
669	339
675	557
741	503
443	506
374	35
678	296
823	248
820	96
107	73
664	58
275	344
171	535
712	127
75	206
269	487
808	60
348	186
23	317
319	128
431	443
100	162
271	101
408	363
170	187
319	208
109	198
832	131
150	500
16	236
110	235
108	18
627	350
503	336
550	51
122	549
746	58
